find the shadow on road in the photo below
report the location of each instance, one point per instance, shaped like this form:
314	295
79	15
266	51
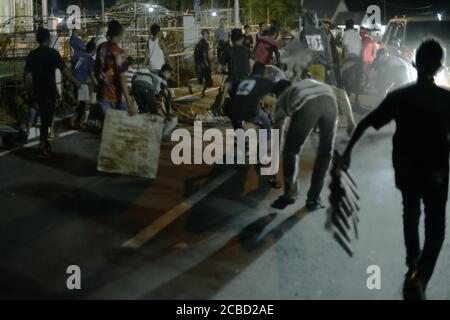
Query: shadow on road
207	278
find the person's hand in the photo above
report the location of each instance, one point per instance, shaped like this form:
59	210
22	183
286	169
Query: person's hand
132	108
346	159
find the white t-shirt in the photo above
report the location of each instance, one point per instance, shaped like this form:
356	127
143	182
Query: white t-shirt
156	55
352	42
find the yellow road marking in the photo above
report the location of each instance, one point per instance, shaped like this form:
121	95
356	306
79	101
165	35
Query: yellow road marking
166	219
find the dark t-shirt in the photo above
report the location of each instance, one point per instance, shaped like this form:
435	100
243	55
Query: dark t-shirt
238	60
201	51
84	68
42	64
420	143
247	95
248	41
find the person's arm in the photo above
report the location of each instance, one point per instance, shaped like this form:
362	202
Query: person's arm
124	88
376	119
68	74
359	131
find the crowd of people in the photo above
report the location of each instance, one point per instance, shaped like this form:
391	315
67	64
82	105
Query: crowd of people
104	76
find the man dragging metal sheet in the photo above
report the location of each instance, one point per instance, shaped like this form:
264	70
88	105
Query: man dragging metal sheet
421	161
308	103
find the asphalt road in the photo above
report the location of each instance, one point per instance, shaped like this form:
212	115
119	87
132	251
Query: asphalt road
209	231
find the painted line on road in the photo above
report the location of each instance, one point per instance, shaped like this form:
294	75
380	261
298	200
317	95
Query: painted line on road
170	216
35	143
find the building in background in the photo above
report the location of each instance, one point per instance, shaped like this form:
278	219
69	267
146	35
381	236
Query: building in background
16	14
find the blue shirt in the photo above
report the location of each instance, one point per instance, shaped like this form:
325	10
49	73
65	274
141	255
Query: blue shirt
84	68
77	46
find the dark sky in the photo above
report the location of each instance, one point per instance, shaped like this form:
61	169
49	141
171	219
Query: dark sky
394	7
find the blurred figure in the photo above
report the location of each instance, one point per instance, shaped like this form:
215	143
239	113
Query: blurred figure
261	30
147	86
83	71
76	45
111	68
352	66
39	78
238	58
266	48
248	38
202	61
369	52
221	38
156	50
317	40
327	26
421	162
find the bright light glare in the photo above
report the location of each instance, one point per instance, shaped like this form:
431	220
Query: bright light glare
151	9
59	20
214	14
439	15
442	79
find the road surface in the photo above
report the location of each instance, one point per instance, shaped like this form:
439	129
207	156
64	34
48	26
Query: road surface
196	232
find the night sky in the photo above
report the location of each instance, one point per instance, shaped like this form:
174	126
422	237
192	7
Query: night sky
394	7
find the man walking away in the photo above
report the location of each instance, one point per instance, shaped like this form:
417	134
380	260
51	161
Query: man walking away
111	71
309	103
316	39
421	161
83	71
39	74
202	61
239	58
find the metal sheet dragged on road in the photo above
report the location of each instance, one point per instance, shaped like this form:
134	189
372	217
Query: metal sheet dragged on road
130	145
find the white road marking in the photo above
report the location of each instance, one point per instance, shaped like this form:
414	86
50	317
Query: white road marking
170	216
35	143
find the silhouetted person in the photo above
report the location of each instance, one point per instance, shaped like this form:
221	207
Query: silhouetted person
421	161
39	77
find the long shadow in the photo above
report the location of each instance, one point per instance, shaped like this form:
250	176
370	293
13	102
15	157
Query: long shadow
71	163
14	286
208	216
209	276
62	200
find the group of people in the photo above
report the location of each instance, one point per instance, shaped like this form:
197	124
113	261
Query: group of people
104	77
421	112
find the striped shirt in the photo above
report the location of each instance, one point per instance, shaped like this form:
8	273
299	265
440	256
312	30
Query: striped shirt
130	74
297	95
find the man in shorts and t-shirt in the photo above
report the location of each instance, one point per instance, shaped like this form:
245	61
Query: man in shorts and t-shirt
83	70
